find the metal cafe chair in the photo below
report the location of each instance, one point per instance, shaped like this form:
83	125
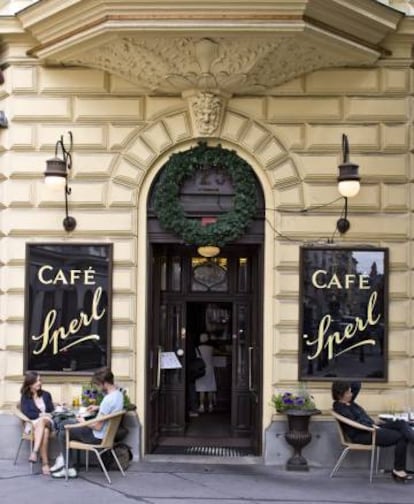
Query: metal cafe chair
348	445
107	444
26	434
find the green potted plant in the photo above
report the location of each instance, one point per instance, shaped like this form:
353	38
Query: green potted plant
91	395
299	408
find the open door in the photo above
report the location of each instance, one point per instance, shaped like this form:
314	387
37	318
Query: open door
247	356
191	295
165	387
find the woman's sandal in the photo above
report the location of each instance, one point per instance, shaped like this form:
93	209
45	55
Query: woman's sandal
400	479
33	457
45	470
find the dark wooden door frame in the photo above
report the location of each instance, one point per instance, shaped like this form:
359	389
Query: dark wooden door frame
255	389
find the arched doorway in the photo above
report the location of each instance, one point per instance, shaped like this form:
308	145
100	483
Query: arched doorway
222	296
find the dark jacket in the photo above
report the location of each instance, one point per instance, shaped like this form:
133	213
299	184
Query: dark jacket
29	408
354	412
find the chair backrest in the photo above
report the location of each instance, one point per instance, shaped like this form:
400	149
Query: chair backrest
113	423
24	421
342	421
342	436
18	412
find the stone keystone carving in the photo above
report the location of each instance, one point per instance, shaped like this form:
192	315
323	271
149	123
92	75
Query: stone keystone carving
207	111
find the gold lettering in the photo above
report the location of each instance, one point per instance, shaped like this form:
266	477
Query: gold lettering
334	282
315	279
49	338
60	277
75	325
40	275
81	340
348	280
319	341
44	337
330	341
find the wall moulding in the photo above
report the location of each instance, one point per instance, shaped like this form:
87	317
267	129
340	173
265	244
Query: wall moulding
239	48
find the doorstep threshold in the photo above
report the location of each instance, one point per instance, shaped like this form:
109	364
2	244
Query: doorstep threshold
203	459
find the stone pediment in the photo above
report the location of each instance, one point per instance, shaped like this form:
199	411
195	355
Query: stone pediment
237	47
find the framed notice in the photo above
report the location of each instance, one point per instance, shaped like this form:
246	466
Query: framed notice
68	298
343	313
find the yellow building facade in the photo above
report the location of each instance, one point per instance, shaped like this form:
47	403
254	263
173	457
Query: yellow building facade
290	78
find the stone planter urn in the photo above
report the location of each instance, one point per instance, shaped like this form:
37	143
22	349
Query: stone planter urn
298	436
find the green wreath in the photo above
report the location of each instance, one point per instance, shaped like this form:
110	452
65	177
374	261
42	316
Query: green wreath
230	225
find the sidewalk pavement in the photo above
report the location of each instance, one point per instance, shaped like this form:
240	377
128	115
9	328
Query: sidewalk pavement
194	483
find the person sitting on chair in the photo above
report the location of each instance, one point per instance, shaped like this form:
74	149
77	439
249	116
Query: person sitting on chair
37	405
389	433
93	433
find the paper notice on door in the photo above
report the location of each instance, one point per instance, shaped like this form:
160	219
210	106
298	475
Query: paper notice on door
169	361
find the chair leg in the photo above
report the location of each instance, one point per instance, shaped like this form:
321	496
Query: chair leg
102	466
31	449
67	460
378	460
86	461
339	462
117	462
18	451
371	467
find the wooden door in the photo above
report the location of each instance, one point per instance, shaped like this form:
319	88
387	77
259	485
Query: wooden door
182	280
247	357
166	387
154	349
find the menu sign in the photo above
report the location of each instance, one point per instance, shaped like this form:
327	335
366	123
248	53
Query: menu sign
68	297
343	313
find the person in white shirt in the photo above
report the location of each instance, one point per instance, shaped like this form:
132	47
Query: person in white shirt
206	385
112	402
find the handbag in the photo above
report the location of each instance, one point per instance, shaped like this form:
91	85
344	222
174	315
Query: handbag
197	367
62	418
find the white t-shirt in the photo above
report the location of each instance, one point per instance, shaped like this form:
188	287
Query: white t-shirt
111	403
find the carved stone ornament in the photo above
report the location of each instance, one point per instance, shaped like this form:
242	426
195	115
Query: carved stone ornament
238	47
248	65
207	111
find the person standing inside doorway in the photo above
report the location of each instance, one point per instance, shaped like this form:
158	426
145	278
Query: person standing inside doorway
206	385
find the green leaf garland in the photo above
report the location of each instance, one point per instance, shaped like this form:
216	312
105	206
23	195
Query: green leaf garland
230	225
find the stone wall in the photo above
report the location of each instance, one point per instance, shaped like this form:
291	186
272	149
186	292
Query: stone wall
292	140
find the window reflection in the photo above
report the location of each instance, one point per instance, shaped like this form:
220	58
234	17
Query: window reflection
243	274
176	274
209	274
163	273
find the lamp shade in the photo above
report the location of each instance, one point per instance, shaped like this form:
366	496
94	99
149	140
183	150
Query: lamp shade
56	173
348	180
349	188
209	250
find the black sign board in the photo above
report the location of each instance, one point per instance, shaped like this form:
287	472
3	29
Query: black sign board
68	298
343	313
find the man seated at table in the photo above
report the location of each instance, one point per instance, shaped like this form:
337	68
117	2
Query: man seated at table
112	402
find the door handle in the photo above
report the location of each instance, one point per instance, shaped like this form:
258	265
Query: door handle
158	385
250	358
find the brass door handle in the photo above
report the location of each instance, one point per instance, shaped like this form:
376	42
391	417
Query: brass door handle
250	361
158	385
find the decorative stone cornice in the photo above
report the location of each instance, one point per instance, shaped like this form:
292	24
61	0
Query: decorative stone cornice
173	65
239	48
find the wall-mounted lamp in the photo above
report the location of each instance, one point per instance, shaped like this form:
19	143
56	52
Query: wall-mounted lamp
348	184
56	176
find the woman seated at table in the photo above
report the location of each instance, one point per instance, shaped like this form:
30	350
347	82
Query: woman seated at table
37	405
389	433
